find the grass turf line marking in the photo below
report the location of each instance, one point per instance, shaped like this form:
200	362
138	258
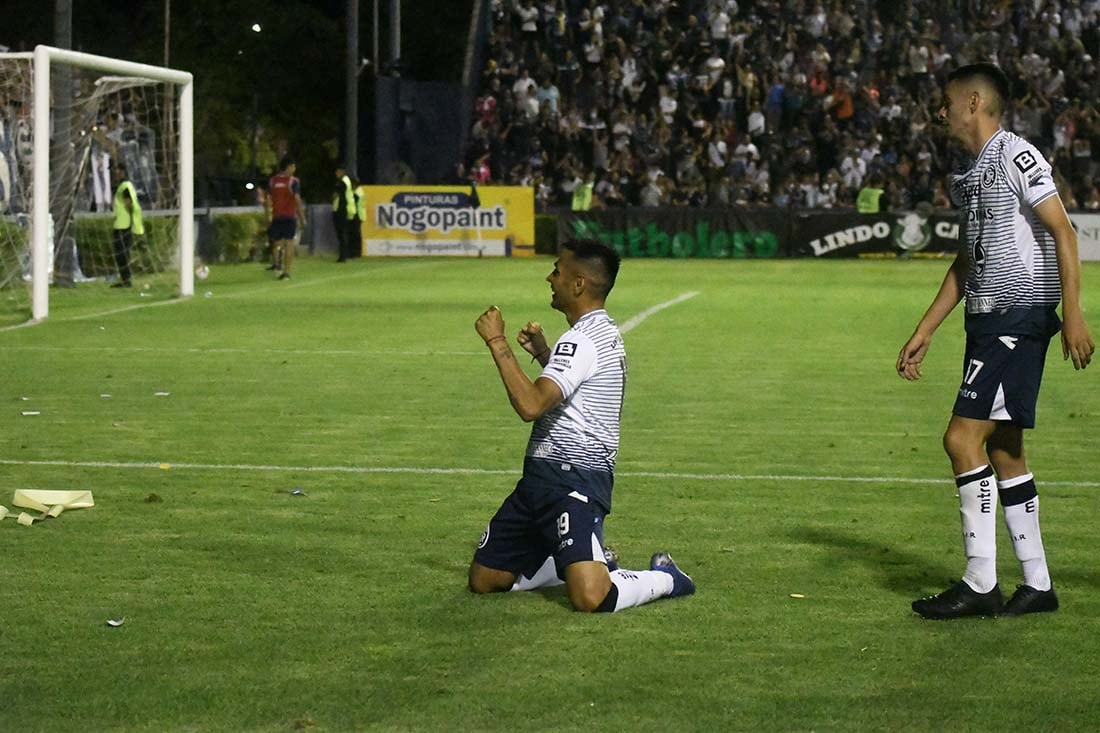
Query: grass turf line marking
630	324
496	472
230	350
244	293
635	321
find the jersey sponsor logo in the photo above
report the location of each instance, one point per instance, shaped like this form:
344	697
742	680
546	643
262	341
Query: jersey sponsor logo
484	538
989	177
542	450
565	348
1009	341
1037	181
978	258
983	304
1025	161
965	191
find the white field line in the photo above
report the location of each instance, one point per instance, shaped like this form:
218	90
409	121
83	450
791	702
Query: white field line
271	287
230	350
631	324
424	471
635	321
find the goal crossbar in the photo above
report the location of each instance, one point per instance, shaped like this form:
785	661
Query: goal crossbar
40	221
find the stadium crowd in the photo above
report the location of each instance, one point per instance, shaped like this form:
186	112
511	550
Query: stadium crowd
795	103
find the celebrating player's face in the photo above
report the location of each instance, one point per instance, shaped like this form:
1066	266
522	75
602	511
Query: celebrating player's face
556	280
949	105
564	272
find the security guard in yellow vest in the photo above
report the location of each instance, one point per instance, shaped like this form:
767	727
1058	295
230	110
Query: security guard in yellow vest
345	215
582	194
871	198
128	224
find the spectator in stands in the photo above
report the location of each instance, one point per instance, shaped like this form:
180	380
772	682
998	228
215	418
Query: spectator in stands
774	74
872	197
1092	203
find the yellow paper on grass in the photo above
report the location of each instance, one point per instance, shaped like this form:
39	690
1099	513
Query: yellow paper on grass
3	511
52	502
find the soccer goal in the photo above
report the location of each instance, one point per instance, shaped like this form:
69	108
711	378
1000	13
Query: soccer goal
71	126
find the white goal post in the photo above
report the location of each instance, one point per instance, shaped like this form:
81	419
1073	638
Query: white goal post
40	221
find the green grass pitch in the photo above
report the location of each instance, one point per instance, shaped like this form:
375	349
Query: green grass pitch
767	443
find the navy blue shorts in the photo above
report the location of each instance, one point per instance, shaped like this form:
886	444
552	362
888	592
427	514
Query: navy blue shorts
1001	378
284	227
536	521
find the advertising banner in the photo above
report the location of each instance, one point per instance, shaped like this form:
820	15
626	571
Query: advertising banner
449	220
681	232
1088	235
894	234
765	233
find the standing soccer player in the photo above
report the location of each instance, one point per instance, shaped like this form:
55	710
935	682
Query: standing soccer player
284	211
551	526
1018	258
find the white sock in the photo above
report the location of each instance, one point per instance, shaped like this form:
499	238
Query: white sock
544	577
637	587
979	523
1020	500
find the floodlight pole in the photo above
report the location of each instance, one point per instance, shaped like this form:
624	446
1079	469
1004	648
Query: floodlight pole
351	91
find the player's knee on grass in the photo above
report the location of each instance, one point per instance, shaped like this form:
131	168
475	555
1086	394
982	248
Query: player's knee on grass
588	585
486	580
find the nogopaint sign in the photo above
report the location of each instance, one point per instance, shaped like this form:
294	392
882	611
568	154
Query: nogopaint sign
449	220
680	232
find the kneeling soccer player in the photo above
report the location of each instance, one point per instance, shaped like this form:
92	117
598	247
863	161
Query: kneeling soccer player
551	526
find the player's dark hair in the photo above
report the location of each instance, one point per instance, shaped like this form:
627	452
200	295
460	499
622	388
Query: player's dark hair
989	73
286	162
600	258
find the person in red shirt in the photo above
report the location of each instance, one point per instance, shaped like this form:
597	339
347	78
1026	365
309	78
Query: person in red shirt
284	210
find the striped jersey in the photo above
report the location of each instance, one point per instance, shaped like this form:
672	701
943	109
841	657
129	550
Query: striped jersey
1013	278
588	363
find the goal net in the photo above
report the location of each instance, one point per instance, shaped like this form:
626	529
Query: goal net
73	128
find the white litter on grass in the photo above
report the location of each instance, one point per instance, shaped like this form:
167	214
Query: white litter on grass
105	396
28	413
797	595
115	622
161	394
25	399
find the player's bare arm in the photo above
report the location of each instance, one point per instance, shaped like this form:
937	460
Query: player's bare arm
1077	344
950	293
301	209
530	400
533	341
